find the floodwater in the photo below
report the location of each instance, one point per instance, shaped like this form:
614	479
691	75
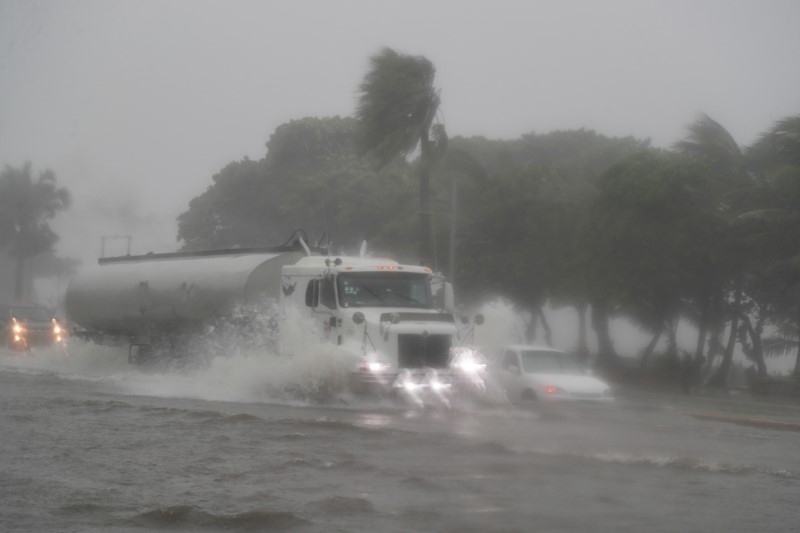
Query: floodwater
246	443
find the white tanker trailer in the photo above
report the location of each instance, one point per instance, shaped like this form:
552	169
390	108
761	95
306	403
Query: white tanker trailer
383	315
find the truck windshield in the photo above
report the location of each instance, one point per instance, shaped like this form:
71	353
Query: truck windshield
34	314
384	289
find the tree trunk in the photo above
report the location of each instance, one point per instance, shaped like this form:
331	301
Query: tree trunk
720	379
644	360
756	353
796	372
672	341
583	345
548	333
19	279
425	227
715	326
530	327
451	255
606	355
702	330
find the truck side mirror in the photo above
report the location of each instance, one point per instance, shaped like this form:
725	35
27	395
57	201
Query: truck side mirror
449	303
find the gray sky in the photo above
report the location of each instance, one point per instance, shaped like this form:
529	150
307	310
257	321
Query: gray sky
136	104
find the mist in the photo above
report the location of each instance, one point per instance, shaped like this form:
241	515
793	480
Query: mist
135	105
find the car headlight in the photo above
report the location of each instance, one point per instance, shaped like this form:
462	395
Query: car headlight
468	360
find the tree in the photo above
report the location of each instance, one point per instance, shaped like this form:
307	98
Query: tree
26	207
724	168
311	178
773	204
526	229
396	110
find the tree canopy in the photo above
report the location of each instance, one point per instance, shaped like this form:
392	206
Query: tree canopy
27	205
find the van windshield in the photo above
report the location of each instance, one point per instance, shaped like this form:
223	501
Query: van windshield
384	289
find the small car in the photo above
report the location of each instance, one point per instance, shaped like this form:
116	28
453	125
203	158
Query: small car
535	373
26	325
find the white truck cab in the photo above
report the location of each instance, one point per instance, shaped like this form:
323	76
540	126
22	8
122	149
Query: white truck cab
382	312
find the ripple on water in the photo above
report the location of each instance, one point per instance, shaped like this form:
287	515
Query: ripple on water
342	505
190	517
421	483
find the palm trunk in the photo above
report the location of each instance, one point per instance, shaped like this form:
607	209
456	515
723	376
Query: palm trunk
756	354
672	340
720	379
796	372
548	333
648	350
19	279
702	330
715	327
530	328
425	227
583	345
606	355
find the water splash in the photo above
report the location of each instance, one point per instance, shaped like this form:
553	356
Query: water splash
234	360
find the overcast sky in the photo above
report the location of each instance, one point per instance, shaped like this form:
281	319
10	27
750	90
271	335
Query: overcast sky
136	104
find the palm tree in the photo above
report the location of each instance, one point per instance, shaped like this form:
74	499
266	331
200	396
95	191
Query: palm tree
775	203
26	206
725	164
397	107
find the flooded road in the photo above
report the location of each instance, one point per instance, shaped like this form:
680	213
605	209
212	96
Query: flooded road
90	444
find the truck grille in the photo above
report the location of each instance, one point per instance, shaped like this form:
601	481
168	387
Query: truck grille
423	351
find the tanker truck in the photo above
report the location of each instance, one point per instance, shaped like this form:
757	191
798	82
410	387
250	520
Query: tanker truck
397	330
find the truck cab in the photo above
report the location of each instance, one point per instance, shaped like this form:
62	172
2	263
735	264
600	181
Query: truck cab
384	314
24	326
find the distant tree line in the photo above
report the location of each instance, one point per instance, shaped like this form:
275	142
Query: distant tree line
707	231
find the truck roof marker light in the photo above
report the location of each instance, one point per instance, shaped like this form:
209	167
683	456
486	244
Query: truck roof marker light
380	267
348	268
390	267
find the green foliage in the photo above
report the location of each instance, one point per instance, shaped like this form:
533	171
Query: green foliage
397	104
706	232
312	178
26	207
